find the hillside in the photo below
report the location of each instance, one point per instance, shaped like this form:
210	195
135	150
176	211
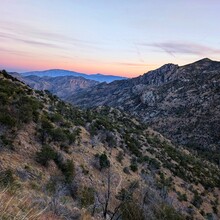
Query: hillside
62	86
181	102
60	162
58	72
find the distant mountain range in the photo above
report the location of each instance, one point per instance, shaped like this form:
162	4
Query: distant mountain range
181	102
58	72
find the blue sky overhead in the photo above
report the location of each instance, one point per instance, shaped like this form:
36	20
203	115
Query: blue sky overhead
112	37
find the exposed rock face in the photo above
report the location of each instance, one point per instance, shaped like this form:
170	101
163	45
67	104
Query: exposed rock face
62	86
182	102
148	98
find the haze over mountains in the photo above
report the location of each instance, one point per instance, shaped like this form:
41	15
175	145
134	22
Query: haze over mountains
63	83
58	72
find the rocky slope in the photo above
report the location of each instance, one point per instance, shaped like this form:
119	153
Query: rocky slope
62	86
181	102
60	162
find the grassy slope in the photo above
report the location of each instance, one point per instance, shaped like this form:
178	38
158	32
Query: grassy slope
32	121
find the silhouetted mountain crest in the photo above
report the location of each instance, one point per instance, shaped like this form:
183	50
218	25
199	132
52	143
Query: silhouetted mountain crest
59	72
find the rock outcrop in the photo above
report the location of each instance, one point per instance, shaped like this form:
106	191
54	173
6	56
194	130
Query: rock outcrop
181	102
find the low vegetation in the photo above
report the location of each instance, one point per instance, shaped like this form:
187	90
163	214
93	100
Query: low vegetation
48	147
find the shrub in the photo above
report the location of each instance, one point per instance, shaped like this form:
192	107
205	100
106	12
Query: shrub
45	155
167	212
7	142
68	170
87	196
120	156
154	164
65	147
7	119
133	146
46	124
4	98
134	167
6	178
56	117
58	134
124	195
103	161
197	200
131	211
126	170
182	197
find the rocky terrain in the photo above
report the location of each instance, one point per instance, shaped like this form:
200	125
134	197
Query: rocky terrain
60	162
62	86
181	102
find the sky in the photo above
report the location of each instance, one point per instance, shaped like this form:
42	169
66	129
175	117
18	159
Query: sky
117	37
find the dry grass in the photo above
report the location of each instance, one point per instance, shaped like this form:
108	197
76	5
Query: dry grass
18	207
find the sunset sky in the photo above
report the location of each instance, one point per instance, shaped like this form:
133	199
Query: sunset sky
118	37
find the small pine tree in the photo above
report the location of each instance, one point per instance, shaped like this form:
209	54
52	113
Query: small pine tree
103	161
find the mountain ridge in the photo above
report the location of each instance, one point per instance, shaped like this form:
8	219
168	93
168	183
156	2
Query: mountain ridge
60	72
174	100
64	161
58	85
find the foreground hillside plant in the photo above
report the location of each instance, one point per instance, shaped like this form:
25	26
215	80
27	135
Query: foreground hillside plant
96	164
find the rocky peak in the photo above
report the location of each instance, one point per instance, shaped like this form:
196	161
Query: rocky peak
204	60
203	64
159	76
167	67
181	102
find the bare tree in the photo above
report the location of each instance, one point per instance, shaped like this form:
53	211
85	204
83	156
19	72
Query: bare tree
126	198
104	202
108	194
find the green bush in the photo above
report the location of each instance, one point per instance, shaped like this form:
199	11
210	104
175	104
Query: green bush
87	196
103	161
7	120
45	155
6	178
134	167
68	170
166	212
7	142
197	200
181	197
46	125
131	211
58	134
4	98
124	195
126	170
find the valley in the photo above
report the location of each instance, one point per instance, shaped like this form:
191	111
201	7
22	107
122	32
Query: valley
99	163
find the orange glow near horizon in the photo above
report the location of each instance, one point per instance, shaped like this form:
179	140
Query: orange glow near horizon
29	64
92	37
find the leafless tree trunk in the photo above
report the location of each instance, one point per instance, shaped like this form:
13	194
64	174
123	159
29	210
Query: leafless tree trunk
130	192
108	194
